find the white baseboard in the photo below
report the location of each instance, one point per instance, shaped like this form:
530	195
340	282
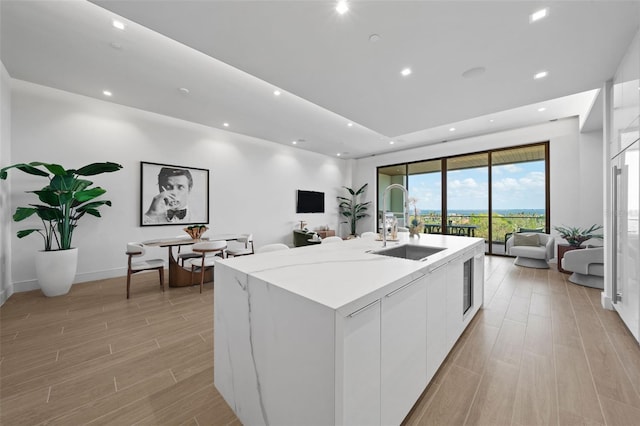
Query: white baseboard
30	285
605	301
6	294
23	286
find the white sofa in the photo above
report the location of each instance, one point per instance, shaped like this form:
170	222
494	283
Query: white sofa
532	256
587	266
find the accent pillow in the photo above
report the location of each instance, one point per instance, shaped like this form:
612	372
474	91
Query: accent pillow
531	230
525	240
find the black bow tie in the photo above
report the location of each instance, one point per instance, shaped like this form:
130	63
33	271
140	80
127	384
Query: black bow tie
180	214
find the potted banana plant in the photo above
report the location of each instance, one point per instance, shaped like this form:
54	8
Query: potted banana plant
351	209
63	202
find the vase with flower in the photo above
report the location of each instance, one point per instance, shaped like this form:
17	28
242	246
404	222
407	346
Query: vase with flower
415	225
196	231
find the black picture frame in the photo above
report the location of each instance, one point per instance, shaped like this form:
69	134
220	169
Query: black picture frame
177	207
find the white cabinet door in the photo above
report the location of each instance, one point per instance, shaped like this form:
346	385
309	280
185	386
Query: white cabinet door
437	347
404	350
360	390
454	319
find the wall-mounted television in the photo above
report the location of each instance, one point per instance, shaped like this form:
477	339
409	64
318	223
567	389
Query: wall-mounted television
310	202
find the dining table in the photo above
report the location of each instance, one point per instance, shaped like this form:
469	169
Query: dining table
180	276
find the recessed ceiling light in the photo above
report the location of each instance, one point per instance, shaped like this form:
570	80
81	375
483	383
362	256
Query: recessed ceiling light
391	142
405	72
536	16
542	109
350	124
117	24
491	120
338	154
374	38
107	93
452	129
277	92
294	142
342	7
225	124
541	74
183	90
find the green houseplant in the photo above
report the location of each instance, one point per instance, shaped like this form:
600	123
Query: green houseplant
352	209
575	236
63	202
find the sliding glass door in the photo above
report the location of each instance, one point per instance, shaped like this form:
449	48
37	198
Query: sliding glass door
387	176
489	194
518	193
425	194
468	195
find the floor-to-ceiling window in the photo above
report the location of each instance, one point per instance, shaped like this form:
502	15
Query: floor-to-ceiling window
467	199
488	194
425	193
388	176
519	191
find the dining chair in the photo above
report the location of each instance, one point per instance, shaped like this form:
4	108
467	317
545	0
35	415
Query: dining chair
138	250
247	240
208	251
185	255
333	239
272	247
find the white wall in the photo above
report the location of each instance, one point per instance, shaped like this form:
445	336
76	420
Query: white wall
570	156
591	209
6	287
252	181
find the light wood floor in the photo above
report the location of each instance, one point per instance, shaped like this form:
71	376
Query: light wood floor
541	352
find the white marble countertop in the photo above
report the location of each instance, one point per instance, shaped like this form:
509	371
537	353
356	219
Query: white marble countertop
343	275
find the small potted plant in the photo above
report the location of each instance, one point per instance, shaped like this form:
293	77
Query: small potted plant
575	236
63	201
352	209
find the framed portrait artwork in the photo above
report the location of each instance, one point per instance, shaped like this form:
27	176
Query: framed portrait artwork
171	195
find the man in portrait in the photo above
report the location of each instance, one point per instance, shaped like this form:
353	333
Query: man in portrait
171	204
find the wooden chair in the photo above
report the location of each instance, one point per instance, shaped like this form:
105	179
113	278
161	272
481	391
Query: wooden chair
208	251
247	239
272	247
138	250
189	254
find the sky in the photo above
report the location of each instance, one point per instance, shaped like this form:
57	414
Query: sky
515	186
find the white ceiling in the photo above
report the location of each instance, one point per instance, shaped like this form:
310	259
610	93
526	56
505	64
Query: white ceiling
232	55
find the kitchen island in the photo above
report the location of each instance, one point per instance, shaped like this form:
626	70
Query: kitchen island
337	334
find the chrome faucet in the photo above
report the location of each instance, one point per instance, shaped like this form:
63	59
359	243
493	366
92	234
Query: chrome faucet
405	211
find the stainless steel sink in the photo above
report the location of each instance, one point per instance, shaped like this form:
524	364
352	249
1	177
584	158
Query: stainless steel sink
410	251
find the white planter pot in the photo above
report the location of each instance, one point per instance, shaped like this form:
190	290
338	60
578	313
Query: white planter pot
56	270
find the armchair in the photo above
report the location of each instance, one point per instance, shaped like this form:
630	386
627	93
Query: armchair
301	237
529	251
587	266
